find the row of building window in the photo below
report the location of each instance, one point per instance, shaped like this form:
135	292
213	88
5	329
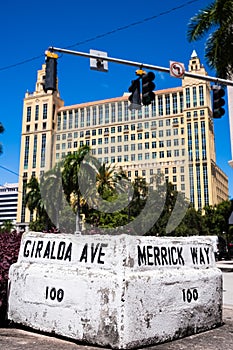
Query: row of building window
118	112
36	116
125	147
131	157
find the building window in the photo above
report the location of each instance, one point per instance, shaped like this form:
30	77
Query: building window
153	107
45	110
201	95
82	118
174	104
119	117
160	103
187	90
126	114
167	101
106	114
191	184
205	182
26	152
37	112
34	152
139	146
93	115
70	119
196	140
194	96
76	118
181	102
43	148
64	120
161	154
113	113
100	115
203	140
29	113
154	155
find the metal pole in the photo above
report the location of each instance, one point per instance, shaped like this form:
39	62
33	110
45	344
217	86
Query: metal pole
142	65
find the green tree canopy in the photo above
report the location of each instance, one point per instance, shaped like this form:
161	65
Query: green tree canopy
215	20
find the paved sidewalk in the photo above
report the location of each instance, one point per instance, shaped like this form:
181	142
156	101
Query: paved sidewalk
216	339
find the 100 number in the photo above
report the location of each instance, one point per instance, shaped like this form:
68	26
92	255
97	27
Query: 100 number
54	294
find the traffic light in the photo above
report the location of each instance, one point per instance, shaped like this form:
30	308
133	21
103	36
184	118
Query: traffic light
218	101
50	72
147	88
135	97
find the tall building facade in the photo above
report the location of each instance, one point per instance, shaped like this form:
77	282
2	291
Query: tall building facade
174	136
8	202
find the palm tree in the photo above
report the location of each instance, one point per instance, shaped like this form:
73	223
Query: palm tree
1	131
52	192
106	179
70	180
33	198
219	45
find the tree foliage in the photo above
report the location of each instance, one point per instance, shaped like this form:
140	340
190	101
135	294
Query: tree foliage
215	20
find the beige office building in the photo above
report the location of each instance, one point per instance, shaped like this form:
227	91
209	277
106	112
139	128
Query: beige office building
174	136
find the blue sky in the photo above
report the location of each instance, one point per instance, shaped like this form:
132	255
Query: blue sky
151	32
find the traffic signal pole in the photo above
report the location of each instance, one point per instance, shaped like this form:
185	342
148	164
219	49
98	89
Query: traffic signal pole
141	65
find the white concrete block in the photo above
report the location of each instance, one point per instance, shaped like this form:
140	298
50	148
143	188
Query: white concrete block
119	291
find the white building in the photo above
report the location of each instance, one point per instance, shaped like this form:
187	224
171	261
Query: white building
8	202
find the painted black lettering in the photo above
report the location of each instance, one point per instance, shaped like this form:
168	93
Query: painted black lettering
101	254
47	251
60	295
38	249
202	259
68	254
180	257
84	253
33	247
156	256
194	255
164	256
169	255
26	251
52	251
173	251
149	255
207	250
94	251
141	256
61	250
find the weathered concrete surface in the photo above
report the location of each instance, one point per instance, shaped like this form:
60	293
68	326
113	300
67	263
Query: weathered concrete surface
120	291
215	339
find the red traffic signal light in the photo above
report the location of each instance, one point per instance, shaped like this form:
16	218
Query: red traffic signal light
135	97
218	102
50	72
147	88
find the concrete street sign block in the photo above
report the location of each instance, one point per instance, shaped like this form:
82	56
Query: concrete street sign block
118	291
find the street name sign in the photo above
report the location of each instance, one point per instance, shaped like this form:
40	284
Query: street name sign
119	291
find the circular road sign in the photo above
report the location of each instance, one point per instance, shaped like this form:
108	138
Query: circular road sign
177	69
